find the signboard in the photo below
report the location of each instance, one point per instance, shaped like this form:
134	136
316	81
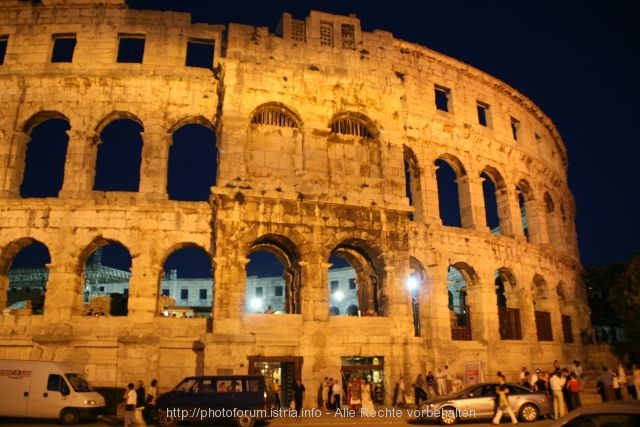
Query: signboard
472	372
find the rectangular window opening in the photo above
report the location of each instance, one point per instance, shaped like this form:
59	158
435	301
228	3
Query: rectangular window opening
130	48
334	285
515	129
63	47
483	114
200	53
352	283
4	40
326	34
278	291
348	36
443	97
184	294
203	294
258	291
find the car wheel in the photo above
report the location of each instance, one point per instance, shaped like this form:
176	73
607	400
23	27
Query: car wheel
529	413
245	421
448	416
69	417
165	420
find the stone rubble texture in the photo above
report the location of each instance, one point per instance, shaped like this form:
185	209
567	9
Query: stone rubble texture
305	192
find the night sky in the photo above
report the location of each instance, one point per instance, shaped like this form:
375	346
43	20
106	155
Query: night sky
577	60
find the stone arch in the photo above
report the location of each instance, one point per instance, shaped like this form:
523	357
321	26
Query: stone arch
544	304
509	301
191	120
354	124
554	226
98	279
453	190
119	153
172	282
496	199
542	294
365	259
413	183
288	254
275	114
41	116
461	279
192	160
29	283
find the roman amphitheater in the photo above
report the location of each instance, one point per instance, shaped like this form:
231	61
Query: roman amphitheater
325	143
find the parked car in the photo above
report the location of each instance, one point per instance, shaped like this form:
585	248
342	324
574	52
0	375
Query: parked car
619	413
478	403
243	399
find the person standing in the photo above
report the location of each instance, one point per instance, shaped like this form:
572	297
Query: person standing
276	391
606	385
636	381
152	395
556	383
502	400
622	379
298	396
573	388
130	399
440	384
141	396
337	394
419	392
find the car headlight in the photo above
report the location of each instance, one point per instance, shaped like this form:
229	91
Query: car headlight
89	402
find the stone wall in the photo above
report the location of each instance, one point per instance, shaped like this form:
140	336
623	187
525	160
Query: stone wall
313	135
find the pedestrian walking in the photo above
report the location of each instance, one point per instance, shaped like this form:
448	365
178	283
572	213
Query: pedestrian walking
502	400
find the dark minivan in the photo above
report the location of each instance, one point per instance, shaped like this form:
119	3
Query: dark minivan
244	399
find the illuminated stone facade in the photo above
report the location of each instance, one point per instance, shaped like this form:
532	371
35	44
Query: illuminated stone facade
318	129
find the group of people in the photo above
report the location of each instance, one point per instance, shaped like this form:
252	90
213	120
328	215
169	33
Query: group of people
614	384
440	384
135	397
358	395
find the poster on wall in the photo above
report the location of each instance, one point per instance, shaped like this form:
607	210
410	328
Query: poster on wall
472	372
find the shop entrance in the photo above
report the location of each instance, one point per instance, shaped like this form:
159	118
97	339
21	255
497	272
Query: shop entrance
369	368
283	371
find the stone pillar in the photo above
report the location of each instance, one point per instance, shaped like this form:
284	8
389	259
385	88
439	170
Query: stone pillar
481	300
228	304
429	184
80	165
12	160
396	301
472	209
314	293
154	165
143	299
63	296
438	328
536	222
509	213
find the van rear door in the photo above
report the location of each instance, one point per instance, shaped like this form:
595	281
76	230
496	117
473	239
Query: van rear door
15	383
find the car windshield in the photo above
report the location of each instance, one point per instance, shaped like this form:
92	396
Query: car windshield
77	382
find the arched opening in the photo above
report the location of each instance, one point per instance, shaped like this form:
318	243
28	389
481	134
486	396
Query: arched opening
508	305
119	156
273	276
460	278
28	275
45	159
193	161
556	236
365	280
187	283
543	307
107	272
525	195
413	189
448	172
416	285
342	287
355	148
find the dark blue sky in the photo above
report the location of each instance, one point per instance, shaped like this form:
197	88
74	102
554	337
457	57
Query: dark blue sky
577	60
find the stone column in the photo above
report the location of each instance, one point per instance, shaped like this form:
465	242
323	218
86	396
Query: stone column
536	222
314	294
429	184
229	297
80	164
63	296
12	159
472	209
509	212
143	290
155	162
438	326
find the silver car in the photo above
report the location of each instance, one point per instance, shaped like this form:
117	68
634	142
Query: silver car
479	402
620	413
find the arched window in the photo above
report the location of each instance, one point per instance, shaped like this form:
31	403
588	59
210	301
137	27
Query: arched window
107	274
28	276
119	156
187	282
413	189
449	171
275	114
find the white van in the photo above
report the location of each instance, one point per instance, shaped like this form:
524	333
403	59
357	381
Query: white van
35	389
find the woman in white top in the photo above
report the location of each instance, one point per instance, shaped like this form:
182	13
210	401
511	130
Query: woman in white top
367	403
